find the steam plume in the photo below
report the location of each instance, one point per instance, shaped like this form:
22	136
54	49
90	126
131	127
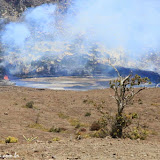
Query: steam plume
122	30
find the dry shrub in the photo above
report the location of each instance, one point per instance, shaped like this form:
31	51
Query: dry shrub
95	126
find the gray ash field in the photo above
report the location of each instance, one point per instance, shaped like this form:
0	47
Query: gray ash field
65	83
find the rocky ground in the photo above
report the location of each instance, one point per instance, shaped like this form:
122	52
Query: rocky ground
67	110
11	9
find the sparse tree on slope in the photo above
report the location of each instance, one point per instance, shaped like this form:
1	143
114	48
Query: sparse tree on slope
124	93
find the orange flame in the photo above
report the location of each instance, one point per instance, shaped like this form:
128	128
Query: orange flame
6	77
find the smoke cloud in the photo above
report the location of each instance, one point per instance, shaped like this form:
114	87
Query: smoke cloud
126	31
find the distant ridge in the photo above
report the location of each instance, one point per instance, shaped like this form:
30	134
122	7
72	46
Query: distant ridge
11	9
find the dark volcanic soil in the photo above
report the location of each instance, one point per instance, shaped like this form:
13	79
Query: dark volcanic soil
64	109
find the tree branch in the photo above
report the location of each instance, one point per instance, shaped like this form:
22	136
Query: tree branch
133	94
114	68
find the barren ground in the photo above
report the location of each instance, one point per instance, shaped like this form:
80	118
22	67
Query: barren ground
62	109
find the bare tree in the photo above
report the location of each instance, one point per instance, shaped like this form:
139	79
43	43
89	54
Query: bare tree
124	93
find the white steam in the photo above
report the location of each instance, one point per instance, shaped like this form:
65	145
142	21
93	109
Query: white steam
133	24
123	30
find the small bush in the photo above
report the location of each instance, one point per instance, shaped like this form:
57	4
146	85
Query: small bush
99	134
155	104
11	140
2	142
138	133
140	101
134	115
88	101
76	123
57	130
121	122
81	134
38	126
63	116
56	139
29	104
83	130
88	114
85	101
95	126
101	123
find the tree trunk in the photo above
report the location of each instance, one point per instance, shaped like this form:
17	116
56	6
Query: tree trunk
117	128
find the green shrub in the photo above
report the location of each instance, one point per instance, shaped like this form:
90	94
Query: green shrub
56	139
11	140
2	141
89	101
138	133
38	126
62	115
81	134
121	122
57	130
140	101
76	123
29	104
87	114
101	133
